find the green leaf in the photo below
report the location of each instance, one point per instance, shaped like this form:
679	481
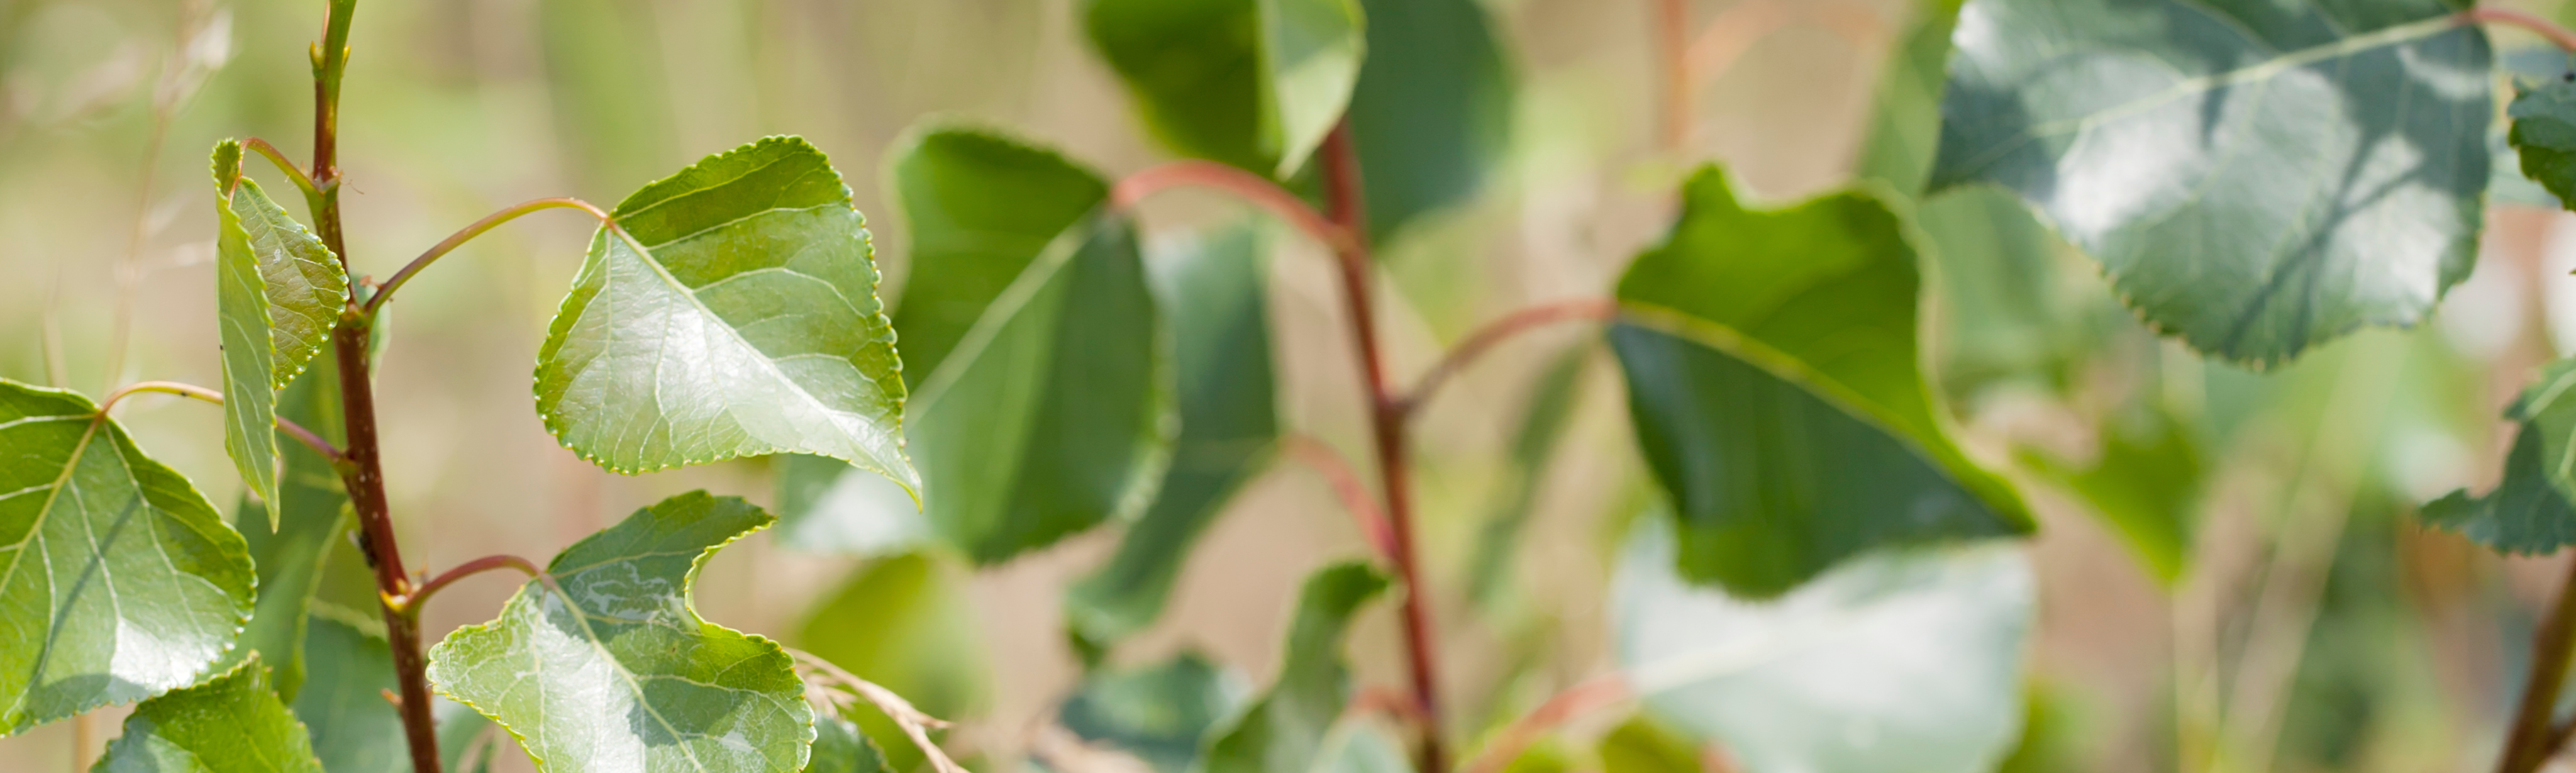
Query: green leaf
461	740
609	667
2525	514
90	524
729	311
232	723
2257	178
826	506
1790	684
1543	422
353	727
1432	111
978	207
1642	745
1048	417
1253	83
1160	713
2146	482
1284	730
279	293
1213	291
1771	360
839	747
2544	134
1904	130
312	517
904	622
2550	407
1363	744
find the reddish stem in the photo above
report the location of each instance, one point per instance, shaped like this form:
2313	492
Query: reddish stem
1584	697
475	229
1252	188
411	604
1347	485
2543	27
1672	36
292	429
1497	331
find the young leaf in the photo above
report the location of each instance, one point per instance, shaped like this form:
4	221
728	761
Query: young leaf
312	517
904	622
1284	730
1160	713
1214	293
2526	514
978	207
91	524
2257	178
1049	414
231	724
2544	134
1432	111
839	747
729	310
604	665
1253	83
279	293
1789	684
1771	362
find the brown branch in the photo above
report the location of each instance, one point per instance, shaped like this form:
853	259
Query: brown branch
2527	745
1252	188
2511	18
1584	697
1497	331
468	233
1347	486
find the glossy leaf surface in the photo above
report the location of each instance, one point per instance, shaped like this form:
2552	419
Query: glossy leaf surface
1771	361
1161	713
1284	729
1789	684
730	311
2257	178
611	669
907	623
1050	413
119	580
312	517
233	723
1213	292
978	207
1253	83
1432	112
278	294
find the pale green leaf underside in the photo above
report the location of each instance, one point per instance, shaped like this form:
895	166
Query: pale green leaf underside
230	724
1788	684
118	579
278	294
731	311
1284	729
618	673
2257	178
1312	49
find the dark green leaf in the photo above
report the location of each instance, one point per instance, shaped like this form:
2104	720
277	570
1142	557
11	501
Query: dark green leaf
1048	417
609	667
1214	295
1433	108
1551	406
2146	482
1283	731
89	522
312	518
1771	361
2525	514
231	724
1253	83
279	293
2544	134
354	729
978	207
1789	684
904	622
2550	406
2257	178
839	747
745	323
1160	713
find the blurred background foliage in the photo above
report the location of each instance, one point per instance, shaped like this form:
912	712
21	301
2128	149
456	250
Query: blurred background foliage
2228	560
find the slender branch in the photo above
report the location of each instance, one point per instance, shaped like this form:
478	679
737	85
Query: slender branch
296	175
915	724
292	429
1346	485
2527	746
311	440
2558	739
468	233
1672	37
2511	18
410	604
1497	331
1584	697
1252	188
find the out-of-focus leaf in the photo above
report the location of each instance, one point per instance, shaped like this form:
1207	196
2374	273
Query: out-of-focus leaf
461	740
729	310
2505	182
1362	744
1771	363
1905	116
839	747
278	294
1284	729
606	666
2544	135
2257	178
1917	651
1253	83
353	728
1049	415
312	515
233	723
904	622
1213	293
2146	482
824	507
90	525
2550	406
1641	745
1160	713
2525	514
978	208
1551	405
1432	111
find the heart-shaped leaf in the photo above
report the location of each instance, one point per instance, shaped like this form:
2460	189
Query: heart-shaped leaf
231	724
728	311
1283	731
1253	83
1771	361
604	664
91	524
279	292
2257	178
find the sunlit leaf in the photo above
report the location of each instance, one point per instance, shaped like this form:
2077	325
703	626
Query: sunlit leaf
609	667
230	724
1283	731
905	622
978	207
1432	112
730	311
312	516
1213	292
279	293
2257	178
1161	713
1918	652
88	525
1771	362
1253	83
